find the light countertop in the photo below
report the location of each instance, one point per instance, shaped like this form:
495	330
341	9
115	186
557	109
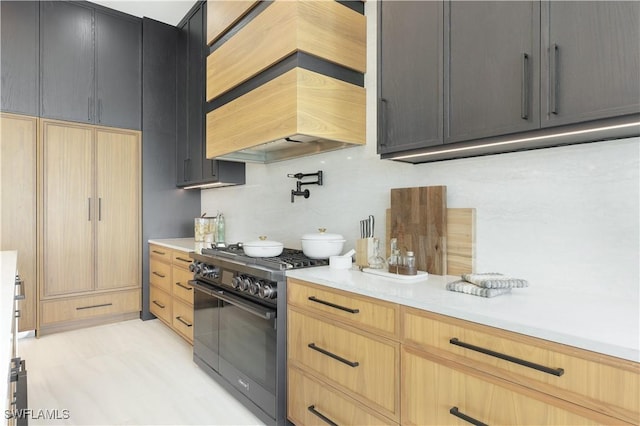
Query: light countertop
184	244
8	260
581	320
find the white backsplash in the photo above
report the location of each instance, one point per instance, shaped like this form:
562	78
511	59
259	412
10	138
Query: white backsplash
559	217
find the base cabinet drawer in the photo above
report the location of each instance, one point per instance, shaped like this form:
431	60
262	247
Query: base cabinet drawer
60	310
160	274
182	319
160	304
355	362
437	394
313	403
181	287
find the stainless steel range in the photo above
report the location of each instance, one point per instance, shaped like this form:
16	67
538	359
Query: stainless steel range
240	324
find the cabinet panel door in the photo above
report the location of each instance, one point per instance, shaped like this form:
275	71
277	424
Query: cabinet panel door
118	74
18	204
195	94
69	210
591	60
118	216
410	75
19	66
67	61
493	62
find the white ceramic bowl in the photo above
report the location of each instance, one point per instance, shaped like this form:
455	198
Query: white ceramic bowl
263	248
322	245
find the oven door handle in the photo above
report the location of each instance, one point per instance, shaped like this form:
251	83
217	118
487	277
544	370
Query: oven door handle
249	307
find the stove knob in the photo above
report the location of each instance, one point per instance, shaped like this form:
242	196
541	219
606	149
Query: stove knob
246	283
267	291
255	287
192	266
236	281
196	267
210	271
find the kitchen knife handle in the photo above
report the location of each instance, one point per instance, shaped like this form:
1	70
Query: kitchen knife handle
468	419
524	96
553	371
321	416
553	79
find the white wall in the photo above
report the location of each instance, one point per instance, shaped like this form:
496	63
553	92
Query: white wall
559	217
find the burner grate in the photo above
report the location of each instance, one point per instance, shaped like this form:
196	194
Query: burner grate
289	259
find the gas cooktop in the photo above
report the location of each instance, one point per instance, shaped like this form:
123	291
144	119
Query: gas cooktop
289	259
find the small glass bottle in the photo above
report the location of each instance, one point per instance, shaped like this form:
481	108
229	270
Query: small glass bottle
375	261
410	263
221	230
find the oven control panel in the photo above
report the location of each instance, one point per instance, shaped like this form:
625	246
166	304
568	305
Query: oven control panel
254	286
243	283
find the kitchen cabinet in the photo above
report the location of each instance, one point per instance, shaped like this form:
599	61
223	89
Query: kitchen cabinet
193	168
410	79
90	65
590	60
19	45
333	346
91	219
18	208
493	63
171	295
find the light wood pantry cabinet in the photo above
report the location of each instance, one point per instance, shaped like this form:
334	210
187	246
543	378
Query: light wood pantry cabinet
351	369
18	208
171	295
90	224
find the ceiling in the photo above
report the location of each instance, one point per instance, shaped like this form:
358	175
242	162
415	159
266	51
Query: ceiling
167	11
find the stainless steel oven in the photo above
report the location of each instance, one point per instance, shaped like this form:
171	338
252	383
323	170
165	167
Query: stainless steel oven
240	324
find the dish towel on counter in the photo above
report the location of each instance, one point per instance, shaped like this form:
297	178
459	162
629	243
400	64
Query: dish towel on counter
486	285
494	280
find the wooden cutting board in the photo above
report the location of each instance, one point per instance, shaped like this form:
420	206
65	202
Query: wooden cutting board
418	220
461	240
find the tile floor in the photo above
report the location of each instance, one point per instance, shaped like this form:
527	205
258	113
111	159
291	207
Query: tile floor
129	373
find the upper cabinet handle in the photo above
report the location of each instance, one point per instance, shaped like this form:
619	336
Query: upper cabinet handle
554	371
333	305
553	79
524	107
383	124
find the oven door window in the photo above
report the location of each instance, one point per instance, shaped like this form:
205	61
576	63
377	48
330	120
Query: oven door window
248	342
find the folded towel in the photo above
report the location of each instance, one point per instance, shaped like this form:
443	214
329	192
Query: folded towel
494	280
465	287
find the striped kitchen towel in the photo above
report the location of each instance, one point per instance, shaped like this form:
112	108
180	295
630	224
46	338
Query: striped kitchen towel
462	286
494	280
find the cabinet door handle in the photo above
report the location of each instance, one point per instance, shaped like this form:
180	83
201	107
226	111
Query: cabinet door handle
158	304
158	274
321	416
182	259
188	324
524	107
20	285
333	305
383	124
17	313
554	371
186	175
553	79
99	110
158	252
99	209
89	109
457	413
179	284
334	356
102	305
89	208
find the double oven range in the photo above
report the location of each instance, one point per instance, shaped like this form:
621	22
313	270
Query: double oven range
240	324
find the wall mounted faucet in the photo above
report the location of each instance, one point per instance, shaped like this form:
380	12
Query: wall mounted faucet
299	191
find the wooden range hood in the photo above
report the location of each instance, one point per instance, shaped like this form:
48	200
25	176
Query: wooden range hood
285	80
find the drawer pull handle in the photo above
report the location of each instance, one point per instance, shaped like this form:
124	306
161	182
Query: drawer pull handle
179	284
182	259
333	305
102	305
322	417
457	413
158	274
160	305
159	252
554	371
188	324
334	356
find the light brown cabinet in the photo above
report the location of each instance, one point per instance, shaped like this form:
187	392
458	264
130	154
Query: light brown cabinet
18	209
90	243
331	344
171	295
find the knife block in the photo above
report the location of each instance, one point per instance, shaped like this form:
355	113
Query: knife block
364	250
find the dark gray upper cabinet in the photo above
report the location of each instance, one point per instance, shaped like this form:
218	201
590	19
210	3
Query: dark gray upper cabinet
19	57
410	75
492	69
591	60
118	74
90	63
67	61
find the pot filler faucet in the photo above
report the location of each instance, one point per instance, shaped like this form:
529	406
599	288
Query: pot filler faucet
299	176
